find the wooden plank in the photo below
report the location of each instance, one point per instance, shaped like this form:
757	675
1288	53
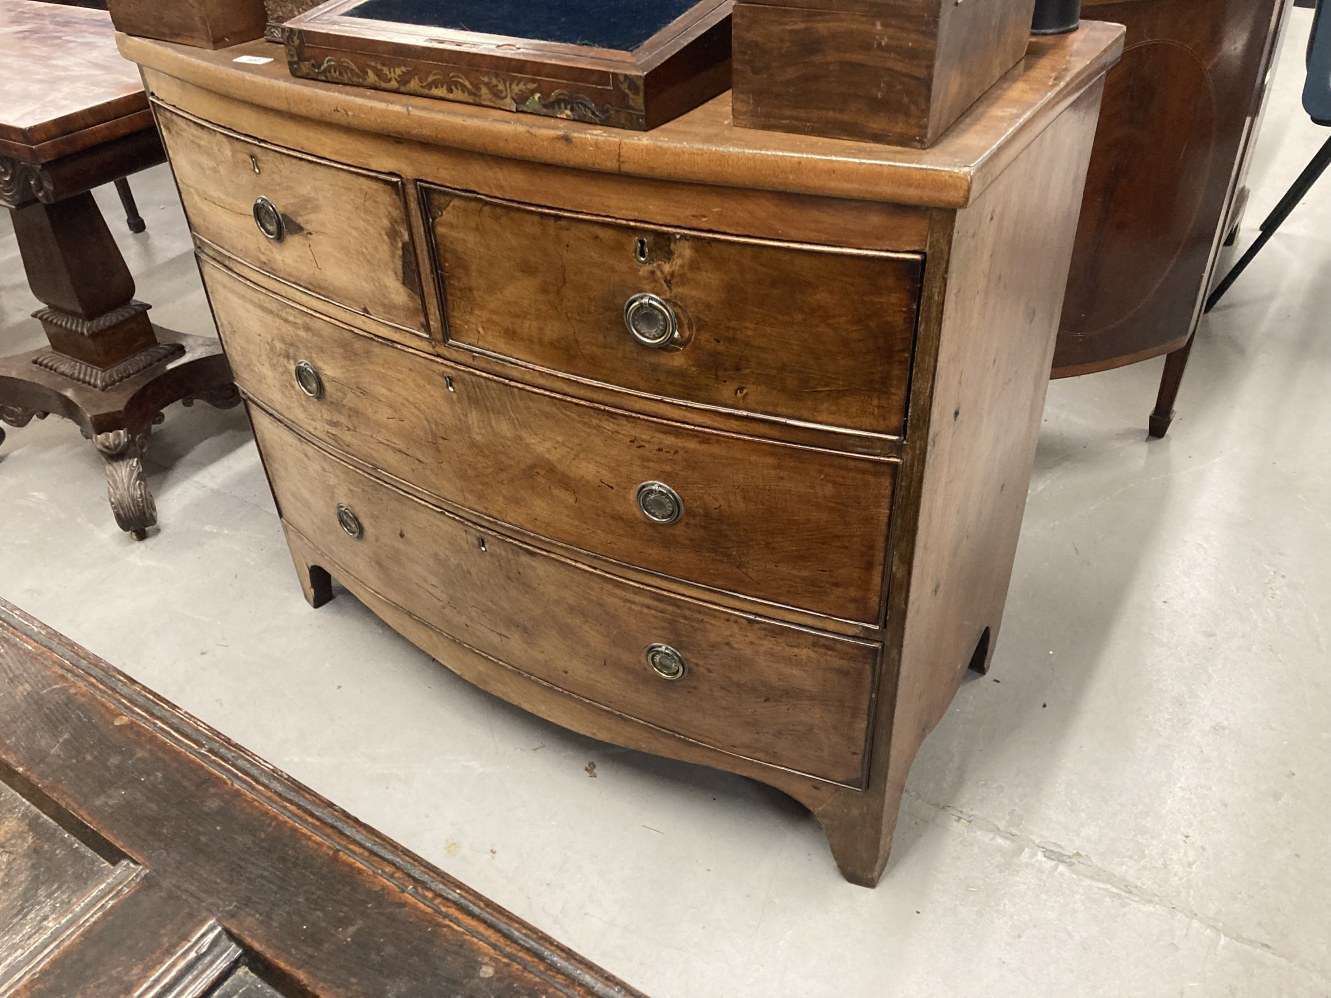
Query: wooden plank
150	941
322	902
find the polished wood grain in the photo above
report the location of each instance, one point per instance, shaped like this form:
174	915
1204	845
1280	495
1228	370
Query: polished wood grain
752	314
63	102
345	232
992	319
700	147
1163	175
212	24
895	71
680	66
777	694
144	853
540	442
754	519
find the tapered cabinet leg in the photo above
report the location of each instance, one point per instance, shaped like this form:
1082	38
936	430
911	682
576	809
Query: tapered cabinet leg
133	219
1175	364
859	829
315	582
126	487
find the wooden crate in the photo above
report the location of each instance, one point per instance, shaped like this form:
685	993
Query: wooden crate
209	24
891	71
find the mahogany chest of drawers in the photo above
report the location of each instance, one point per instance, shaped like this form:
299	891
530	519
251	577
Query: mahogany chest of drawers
709	442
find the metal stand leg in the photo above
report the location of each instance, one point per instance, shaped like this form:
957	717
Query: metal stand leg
132	217
1315	168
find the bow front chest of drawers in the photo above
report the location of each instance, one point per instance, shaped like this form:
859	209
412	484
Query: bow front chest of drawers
705	441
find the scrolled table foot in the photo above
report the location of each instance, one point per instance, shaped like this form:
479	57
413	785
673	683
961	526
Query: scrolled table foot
126	487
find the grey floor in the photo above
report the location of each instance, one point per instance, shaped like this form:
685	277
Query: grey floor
1136	802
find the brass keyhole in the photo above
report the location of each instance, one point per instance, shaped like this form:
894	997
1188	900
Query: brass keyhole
640	250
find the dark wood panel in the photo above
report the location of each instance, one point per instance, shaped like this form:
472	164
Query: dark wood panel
45	875
148	937
310	899
1177	109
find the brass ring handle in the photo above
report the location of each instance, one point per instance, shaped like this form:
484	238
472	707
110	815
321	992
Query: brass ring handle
307	377
666	662
350	522
269	220
651	320
660	503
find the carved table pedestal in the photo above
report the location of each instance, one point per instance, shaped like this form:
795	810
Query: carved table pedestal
75	117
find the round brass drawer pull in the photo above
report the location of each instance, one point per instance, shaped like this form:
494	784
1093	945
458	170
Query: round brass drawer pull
307	377
652	321
350	522
660	503
269	220
666	662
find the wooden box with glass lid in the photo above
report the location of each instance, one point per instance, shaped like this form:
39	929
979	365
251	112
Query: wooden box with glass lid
706	441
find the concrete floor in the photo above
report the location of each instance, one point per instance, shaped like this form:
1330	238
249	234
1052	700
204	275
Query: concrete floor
1136	802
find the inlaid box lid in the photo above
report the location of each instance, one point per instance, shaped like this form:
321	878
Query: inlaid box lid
622	63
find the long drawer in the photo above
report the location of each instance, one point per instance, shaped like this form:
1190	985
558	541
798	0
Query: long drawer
784	331
339	233
775	693
791	525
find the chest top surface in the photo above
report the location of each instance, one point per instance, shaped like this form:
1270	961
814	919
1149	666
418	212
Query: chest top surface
60	74
702	146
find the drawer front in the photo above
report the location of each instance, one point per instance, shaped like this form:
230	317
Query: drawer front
782	331
796	526
338	233
779	694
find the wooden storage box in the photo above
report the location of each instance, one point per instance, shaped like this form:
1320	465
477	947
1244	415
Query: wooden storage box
624	64
891	71
209	24
280	11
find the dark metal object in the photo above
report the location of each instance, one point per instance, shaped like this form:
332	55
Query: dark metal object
1055	17
660	503
1314	170
350	522
651	321
307	376
666	662
269	220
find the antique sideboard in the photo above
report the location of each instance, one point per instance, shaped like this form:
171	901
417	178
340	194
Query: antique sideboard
1165	185
706	441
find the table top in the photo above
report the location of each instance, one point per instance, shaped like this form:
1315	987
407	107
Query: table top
64	88
702	146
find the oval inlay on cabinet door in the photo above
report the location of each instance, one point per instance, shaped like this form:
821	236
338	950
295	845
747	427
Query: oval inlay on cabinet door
1149	171
1174	131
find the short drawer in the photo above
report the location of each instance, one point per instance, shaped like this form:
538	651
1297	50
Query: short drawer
339	233
788	332
793	525
778	694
